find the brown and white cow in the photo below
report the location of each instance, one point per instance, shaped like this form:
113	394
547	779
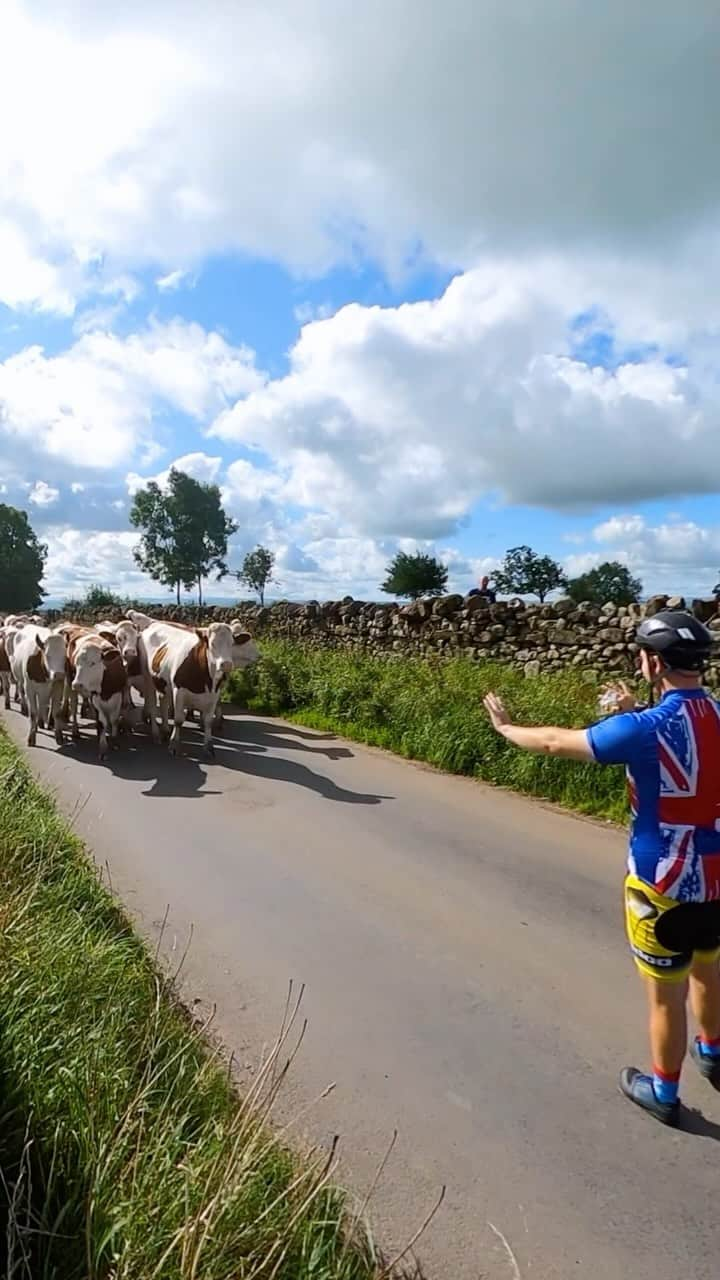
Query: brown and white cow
38	666
96	671
184	670
5	671
124	635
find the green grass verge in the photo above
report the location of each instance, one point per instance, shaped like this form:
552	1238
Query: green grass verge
433	711
124	1152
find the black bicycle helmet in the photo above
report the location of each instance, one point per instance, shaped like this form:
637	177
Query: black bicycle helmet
682	641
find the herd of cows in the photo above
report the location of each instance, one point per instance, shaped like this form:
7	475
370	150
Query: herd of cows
175	669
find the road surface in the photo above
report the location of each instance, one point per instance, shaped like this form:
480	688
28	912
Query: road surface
466	983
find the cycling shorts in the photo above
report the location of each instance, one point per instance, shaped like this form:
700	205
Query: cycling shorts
665	936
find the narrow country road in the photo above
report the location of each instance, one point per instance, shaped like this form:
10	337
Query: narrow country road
467	983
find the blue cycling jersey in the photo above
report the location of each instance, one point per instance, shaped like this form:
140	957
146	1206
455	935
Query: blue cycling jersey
672	756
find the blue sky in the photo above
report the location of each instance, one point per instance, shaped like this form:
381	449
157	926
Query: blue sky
292	256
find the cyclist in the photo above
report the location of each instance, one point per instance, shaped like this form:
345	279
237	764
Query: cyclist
672	889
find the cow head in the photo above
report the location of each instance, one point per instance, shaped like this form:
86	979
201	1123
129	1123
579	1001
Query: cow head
219	641
53	650
244	649
126	639
140	621
89	668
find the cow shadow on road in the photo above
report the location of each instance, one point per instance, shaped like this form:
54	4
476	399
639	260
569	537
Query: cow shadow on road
241	747
254	759
246	722
138	760
262	734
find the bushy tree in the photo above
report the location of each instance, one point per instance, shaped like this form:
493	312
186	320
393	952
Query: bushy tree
415	575
99	597
22	562
525	573
257	570
609	583
185	532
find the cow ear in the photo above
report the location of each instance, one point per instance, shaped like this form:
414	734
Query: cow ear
241	637
40	643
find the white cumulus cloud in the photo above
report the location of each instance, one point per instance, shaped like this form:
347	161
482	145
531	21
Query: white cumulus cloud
101	400
303	133
42	494
397	420
675	556
172	281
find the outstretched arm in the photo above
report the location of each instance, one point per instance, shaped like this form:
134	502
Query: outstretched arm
573	744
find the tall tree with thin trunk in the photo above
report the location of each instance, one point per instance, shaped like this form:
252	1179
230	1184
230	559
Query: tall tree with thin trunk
185	532
257	570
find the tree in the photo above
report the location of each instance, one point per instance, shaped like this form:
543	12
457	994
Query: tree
257	570
185	532
99	597
22	562
415	575
525	573
610	583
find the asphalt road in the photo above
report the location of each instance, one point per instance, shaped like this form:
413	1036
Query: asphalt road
466	983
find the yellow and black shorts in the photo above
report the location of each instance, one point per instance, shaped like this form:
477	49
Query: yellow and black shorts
665	936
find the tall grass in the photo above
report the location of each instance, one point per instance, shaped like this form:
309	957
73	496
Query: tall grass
432	711
124	1151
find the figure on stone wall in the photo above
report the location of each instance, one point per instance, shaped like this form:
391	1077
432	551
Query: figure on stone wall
486	592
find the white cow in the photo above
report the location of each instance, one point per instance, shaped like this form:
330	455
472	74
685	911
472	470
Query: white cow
244	653
38	666
13	628
96	672
141	620
185	669
124	635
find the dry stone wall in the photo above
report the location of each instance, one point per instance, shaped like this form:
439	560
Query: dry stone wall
537	638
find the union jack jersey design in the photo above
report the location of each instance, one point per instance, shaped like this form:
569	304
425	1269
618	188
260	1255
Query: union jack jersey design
672	757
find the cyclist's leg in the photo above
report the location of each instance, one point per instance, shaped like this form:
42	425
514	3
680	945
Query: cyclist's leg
665	974
705	995
667	1003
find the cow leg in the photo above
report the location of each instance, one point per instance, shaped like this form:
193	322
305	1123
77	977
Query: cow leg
74	716
166	706
179	719
127	711
32	711
150	709
113	714
207	722
6	689
44	699
57	703
102	729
